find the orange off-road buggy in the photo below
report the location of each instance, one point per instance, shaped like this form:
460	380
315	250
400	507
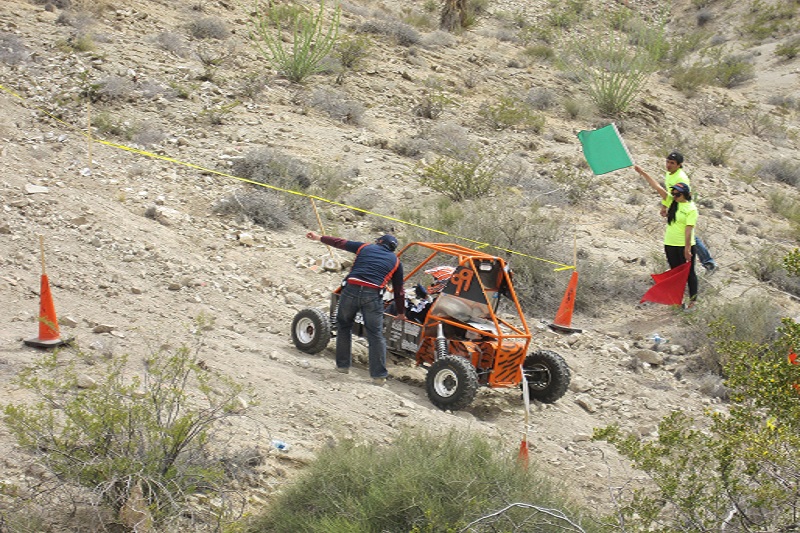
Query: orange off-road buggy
461	334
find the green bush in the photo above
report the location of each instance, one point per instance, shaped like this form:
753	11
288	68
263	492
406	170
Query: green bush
788	50
734	469
612	72
460	179
428	483
510	112
688	79
714	151
791	262
352	50
311	42
153	431
732	70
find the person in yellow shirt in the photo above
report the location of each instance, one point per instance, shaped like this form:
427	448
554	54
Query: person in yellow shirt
679	239
676	174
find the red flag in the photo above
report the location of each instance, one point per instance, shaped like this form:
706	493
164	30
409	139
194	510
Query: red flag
669	286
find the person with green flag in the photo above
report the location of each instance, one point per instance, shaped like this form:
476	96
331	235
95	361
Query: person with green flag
675	174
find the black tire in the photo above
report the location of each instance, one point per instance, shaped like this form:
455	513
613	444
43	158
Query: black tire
547	374
451	382
311	330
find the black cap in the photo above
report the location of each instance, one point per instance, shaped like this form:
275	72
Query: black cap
676	156
388	241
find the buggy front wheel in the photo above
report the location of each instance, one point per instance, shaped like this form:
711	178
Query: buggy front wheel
451	382
547	374
311	330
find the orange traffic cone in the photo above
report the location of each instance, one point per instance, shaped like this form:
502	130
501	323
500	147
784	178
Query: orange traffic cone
49	335
563	320
523	452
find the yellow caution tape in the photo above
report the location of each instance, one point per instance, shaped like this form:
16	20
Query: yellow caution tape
478	244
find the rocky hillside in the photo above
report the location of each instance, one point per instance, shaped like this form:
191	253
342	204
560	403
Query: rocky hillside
136	244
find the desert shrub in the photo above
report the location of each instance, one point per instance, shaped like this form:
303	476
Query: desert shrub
452	140
714	151
147	134
173	43
215	113
110	89
576	183
543	52
81	42
106	124
751	318
79	19
338	105
711	113
352	50
782	170
12	50
209	28
612	72
263	207
438	39
703	17
789	49
212	58
601	285
728	470
252	84
150	435
460	179
769	268
272	167
784	101
791	262
461	480
765	19
540	98
411	146
433	102
689	78
399	32
574	108
732	70
511	112
421	21
650	37
310	42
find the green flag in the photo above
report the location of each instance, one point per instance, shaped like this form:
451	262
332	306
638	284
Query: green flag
604	150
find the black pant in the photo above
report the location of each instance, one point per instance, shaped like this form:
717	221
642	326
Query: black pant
675	258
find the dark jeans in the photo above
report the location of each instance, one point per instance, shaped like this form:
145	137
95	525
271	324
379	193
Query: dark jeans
675	258
353	299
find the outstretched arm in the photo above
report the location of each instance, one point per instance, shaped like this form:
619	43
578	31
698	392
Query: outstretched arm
653	183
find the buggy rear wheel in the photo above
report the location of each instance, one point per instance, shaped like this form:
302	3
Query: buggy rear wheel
311	330
451	382
547	374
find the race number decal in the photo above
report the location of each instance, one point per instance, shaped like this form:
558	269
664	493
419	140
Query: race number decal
462	280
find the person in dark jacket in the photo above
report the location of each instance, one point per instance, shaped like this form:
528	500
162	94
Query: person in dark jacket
375	266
